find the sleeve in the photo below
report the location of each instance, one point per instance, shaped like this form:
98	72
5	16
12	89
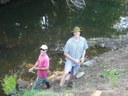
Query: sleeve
67	47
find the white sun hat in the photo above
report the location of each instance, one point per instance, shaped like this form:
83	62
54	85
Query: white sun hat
45	47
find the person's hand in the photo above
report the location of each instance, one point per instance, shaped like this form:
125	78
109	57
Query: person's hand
77	61
82	60
31	70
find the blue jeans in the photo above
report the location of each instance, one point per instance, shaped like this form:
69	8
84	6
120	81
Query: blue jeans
38	82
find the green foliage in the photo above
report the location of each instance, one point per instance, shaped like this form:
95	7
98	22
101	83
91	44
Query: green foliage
95	50
38	93
9	84
29	93
99	16
9	87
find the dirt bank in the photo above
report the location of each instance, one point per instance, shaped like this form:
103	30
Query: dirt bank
95	83
107	77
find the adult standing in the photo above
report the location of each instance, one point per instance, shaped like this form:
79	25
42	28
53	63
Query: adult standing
74	51
42	67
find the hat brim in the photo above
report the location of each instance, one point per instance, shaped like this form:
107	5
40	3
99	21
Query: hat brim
75	31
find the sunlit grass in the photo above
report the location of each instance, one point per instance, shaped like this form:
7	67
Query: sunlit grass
39	93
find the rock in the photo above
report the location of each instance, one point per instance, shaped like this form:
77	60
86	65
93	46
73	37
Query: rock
88	63
108	42
97	93
80	74
22	83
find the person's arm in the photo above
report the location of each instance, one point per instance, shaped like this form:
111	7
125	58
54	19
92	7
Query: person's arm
83	56
31	69
84	53
43	68
36	64
71	58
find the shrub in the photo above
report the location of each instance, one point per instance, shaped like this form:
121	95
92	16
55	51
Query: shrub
9	84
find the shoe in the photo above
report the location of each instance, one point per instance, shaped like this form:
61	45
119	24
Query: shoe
66	81
70	84
48	85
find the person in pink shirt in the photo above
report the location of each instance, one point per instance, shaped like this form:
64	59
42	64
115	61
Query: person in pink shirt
42	67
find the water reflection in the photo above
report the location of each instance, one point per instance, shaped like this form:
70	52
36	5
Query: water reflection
44	22
122	24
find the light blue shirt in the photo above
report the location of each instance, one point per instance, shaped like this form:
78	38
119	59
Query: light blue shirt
75	48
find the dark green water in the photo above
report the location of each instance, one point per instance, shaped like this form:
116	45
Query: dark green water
25	26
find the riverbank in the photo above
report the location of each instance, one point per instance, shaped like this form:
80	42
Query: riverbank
96	83
107	76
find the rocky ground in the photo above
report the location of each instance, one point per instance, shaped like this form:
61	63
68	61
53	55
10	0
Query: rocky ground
108	76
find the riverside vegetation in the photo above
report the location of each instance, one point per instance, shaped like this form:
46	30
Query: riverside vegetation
107	76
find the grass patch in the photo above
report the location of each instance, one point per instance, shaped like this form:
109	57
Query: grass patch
113	76
10	89
39	93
